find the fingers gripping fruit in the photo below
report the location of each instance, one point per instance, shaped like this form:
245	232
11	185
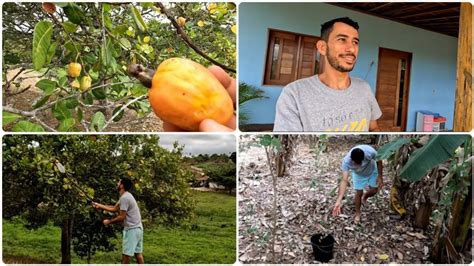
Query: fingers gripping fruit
184	93
74	70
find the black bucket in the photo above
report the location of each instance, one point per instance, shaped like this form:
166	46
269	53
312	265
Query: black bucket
322	247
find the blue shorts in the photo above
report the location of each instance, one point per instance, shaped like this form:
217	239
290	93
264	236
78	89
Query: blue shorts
361	182
132	241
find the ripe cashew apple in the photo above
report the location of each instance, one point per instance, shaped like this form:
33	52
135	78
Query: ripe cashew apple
184	93
181	21
86	83
74	70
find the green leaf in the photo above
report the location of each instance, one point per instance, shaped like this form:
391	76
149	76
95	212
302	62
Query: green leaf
47	86
439	149
120	29
120	115
106	51
69	26
125	43
41	42
390	148
27	126
106	7
74	13
147	4
108	22
61	111
71	103
266	140
99	93
51	52
41	102
7	118
61	4
66	124
87	98
72	47
98	122
139	90
137	17
276	144
62	81
93	74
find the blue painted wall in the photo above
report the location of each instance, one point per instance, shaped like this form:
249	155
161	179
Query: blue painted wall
433	72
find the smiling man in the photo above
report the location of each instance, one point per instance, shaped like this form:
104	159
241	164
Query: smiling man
332	100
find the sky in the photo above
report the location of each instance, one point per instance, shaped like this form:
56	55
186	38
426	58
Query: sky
201	144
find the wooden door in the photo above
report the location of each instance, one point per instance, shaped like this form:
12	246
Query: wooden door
393	80
283	49
308	64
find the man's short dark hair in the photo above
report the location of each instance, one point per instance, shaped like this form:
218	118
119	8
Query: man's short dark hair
357	155
127	183
326	28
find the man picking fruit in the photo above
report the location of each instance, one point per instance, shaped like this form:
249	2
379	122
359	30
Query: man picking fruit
366	174
132	221
330	100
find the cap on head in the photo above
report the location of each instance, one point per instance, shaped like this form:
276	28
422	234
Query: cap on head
327	27
357	155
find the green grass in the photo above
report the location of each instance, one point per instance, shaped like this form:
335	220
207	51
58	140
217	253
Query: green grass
213	241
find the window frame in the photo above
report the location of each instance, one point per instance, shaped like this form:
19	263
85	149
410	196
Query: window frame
296	71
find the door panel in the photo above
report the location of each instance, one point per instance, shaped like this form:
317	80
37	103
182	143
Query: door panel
392	88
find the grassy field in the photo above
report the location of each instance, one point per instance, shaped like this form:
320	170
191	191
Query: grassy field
212	242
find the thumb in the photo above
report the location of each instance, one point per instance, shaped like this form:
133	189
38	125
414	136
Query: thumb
209	125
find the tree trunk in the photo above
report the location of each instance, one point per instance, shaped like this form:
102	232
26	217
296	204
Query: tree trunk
283	158
282	155
458	229
423	214
66	239
461	221
463	104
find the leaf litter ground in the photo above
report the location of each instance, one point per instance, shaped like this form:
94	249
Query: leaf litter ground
305	199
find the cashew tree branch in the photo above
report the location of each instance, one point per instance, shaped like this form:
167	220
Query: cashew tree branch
188	41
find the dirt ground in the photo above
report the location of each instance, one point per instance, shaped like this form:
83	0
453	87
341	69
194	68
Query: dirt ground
305	201
24	101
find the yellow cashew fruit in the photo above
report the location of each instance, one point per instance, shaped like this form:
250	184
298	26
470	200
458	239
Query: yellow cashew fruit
181	21
75	84
74	70
86	83
184	93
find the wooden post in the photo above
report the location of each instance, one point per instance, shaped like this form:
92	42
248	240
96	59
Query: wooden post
463	106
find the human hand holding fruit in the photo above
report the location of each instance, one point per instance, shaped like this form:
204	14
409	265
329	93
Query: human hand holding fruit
188	96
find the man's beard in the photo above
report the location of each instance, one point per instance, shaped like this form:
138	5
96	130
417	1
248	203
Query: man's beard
335	64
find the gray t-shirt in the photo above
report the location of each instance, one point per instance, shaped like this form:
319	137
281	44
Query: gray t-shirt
129	204
309	105
367	166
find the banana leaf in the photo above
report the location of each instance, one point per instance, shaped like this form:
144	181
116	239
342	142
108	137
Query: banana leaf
390	148
439	149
